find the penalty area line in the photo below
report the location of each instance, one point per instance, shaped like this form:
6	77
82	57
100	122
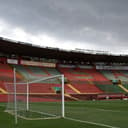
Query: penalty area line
93	123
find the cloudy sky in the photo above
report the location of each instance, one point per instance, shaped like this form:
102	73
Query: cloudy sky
68	24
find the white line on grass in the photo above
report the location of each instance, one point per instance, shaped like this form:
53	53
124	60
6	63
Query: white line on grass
30	118
101	109
93	123
107	110
43	113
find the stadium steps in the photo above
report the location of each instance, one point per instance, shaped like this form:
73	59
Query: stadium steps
87	88
3	91
116	74
119	75
125	73
30	73
7	74
73	88
52	71
122	87
73	98
34	71
108	74
21	70
44	70
42	88
68	89
83	76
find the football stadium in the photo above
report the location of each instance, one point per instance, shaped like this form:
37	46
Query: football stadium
63	63
50	87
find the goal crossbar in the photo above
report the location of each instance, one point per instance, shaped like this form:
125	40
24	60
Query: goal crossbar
45	78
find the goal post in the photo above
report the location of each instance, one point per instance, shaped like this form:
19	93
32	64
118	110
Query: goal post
37	99
15	102
63	108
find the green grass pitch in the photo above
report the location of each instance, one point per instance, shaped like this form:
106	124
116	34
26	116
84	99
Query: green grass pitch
91	114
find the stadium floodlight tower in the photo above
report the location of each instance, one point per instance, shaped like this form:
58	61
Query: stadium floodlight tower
36	99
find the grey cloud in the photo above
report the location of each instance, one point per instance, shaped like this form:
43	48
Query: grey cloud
77	20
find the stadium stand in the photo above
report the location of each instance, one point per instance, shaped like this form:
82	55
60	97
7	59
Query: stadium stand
33	72
82	79
108	87
6	73
78	80
115	74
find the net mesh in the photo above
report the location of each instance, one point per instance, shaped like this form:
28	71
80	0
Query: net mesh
36	99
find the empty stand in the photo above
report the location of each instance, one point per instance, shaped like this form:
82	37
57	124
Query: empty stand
82	79
77	81
115	74
110	88
33	72
6	73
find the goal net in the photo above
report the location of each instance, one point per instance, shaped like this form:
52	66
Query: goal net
38	99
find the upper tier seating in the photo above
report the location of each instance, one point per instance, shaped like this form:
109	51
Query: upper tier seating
82	79
78	80
115	74
33	73
7	74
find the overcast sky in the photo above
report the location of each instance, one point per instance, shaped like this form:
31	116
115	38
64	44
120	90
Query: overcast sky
68	24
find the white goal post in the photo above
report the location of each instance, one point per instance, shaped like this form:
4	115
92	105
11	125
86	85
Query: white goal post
36	99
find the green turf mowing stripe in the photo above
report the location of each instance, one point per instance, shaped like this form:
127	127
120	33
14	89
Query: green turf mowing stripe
93	123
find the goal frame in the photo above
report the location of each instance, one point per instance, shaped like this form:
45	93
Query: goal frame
15	83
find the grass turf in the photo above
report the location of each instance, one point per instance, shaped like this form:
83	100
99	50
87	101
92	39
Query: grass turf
7	121
114	113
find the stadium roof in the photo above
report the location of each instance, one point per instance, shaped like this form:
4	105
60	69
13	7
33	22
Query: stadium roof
26	49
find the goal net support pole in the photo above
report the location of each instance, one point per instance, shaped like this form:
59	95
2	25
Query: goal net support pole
27	96
62	91
15	102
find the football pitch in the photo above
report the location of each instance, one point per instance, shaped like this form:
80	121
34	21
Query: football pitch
80	114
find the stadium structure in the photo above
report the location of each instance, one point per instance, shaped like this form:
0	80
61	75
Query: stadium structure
88	75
